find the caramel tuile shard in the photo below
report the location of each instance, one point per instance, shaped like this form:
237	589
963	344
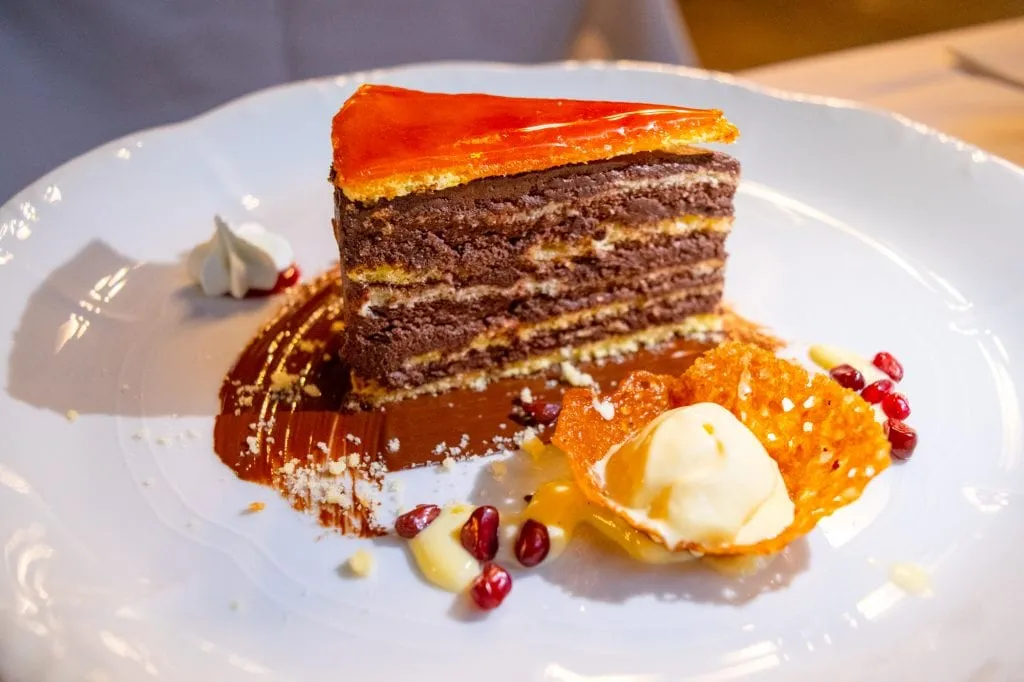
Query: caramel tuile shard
390	141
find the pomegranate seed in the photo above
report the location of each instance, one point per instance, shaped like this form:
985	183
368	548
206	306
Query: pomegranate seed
542	412
847	377
902	438
533	543
896	405
480	533
412	523
873	393
888	364
491	587
285	280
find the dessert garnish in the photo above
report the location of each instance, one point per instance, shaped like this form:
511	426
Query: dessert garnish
903	438
533	543
491	587
876	382
730	462
912	578
876	392
888	364
479	535
411	523
440	556
693	478
361	563
244	261
823	438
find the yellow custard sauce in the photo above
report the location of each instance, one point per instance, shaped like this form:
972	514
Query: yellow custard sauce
561	507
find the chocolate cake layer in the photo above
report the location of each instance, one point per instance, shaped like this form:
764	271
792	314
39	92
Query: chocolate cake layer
504	274
651	313
380	344
484	225
628	260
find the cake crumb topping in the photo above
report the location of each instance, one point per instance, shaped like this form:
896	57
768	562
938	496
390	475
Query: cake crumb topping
605	408
574	376
527	434
361	563
282	382
394	445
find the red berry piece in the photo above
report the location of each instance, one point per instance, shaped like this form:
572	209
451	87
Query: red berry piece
480	533
896	405
412	523
873	393
541	412
847	376
533	543
888	364
491	587
285	280
902	438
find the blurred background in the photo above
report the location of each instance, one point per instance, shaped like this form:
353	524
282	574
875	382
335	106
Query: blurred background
77	74
730	35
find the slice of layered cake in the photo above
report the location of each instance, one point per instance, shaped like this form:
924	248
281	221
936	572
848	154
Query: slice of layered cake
485	237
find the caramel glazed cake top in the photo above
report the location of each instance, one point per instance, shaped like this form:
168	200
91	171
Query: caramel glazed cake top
496	271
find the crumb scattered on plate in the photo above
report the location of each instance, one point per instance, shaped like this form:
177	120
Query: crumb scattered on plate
361	564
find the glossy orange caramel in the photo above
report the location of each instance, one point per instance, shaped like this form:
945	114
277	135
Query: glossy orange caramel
390	141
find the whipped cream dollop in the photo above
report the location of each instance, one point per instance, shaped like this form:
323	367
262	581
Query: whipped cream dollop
239	259
698	474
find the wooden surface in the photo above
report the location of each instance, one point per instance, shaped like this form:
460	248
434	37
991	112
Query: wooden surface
929	80
730	35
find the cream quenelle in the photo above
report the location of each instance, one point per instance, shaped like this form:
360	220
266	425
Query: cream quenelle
697	475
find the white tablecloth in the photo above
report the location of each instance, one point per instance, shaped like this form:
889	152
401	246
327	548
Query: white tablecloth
979	99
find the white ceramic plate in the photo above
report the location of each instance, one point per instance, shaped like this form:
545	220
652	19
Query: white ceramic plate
127	559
